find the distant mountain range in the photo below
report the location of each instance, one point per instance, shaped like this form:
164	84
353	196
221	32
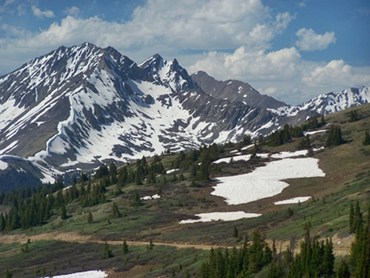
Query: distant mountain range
79	106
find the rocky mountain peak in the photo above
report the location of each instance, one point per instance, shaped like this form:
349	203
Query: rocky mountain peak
83	105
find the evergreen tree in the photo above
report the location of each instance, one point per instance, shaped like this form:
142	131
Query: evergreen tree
136	201
102	171
123	176
323	122
235	232
113	173
357	219
118	189
63	213
90	218
366	140
304	143
8	274
351	219
353	116
360	250
151	245
334	136
115	211
107	253
125	247
343	270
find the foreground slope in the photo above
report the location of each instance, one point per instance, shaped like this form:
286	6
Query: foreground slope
183	196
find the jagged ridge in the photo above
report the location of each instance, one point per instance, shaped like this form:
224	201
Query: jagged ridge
78	106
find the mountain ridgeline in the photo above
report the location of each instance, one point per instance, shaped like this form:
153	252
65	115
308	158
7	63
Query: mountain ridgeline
79	106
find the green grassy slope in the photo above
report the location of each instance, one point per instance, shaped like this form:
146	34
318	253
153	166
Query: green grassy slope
347	180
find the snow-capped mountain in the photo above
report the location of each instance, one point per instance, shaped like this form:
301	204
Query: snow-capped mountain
330	103
82	105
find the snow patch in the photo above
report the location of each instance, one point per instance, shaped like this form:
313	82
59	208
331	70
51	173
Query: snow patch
84	274
245	157
172	171
220	216
3	165
153	197
314	132
295	200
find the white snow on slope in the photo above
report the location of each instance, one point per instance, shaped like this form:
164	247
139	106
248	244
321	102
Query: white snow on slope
314	132
247	147
294	200
244	157
220	216
328	103
3	165
172	171
265	181
84	274
289	154
153	197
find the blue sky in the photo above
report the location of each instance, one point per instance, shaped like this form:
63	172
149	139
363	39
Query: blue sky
290	49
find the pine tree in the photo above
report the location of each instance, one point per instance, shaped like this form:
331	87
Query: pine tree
334	136
305	143
360	250
328	259
107	253
113	173
351	219
136	201
90	218
353	116
343	270
115	211
366	140
357	219
8	274
235	232
151	245
63	213
125	247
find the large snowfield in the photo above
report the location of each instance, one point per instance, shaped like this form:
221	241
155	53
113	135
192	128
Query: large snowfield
265	181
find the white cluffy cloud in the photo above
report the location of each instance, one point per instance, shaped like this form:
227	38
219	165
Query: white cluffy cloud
308	40
336	72
42	14
227	39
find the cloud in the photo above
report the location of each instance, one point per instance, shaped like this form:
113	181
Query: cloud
42	14
308	40
251	65
73	11
336	73
302	4
190	25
